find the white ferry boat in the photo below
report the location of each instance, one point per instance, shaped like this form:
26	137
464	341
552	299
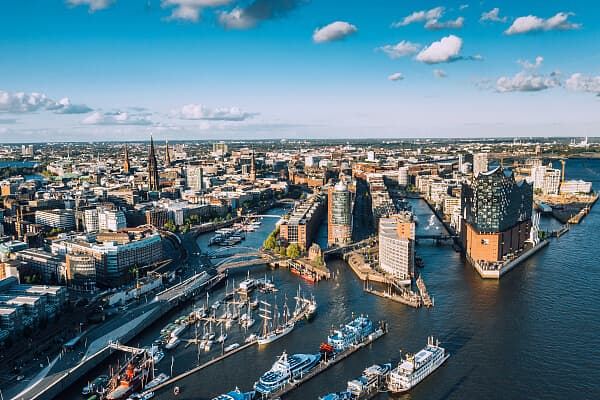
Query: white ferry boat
414	368
351	333
285	370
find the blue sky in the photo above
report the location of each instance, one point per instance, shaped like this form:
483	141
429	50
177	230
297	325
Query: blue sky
212	69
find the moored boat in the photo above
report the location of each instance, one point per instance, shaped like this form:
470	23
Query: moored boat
284	370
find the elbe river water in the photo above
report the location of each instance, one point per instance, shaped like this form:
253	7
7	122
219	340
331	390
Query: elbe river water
533	334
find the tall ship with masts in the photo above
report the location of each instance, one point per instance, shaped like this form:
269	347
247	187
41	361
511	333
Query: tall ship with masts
273	328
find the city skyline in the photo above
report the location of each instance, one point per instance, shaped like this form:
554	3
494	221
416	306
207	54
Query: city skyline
91	70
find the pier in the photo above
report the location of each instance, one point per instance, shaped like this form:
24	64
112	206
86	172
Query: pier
324	365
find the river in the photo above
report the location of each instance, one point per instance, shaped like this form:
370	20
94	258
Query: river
533	334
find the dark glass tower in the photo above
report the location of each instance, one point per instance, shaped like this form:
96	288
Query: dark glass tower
153	179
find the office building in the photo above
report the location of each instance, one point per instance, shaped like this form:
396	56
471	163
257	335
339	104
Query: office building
339	215
403	177
496	215
220	148
396	246
80	271
111	220
60	219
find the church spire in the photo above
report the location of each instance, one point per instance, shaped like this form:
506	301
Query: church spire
167	154
126	164
153	178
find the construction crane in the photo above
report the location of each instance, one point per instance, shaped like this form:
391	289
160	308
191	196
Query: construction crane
562	162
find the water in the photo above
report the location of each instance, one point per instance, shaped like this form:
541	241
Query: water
533	334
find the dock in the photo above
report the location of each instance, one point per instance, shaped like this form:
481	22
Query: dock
324	365
410	299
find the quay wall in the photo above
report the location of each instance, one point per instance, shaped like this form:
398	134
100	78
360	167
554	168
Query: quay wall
497	274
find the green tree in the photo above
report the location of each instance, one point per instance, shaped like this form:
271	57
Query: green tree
292	251
282	251
270	242
170	226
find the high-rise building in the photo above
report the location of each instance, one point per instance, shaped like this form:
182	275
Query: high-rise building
546	179
111	220
339	215
153	177
194	177
403	179
396	246
480	163
220	148
496	215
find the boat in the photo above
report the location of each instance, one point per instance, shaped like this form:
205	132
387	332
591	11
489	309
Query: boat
351	333
231	347
251	338
337	396
156	381
129	382
246	320
95	385
272	329
371	380
222	338
176	390
171	344
247	285
285	370
208	345
235	395
414	368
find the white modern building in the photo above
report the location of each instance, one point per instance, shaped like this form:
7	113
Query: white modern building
396	247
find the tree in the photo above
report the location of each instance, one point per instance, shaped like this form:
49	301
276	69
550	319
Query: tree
292	251
270	242
170	226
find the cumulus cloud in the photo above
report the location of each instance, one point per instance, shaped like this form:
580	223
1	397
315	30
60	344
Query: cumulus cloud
583	83
93	5
493	16
439	73
20	102
531	23
525	81
189	10
400	49
396	76
257	11
531	65
420	16
445	50
115	118
463	7
337	30
435	24
200	112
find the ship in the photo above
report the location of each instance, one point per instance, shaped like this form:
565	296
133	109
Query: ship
371	380
285	370
236	394
272	329
130	381
351	333
414	368
156	381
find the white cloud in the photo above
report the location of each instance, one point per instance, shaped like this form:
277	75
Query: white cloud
200	112
445	50
21	102
396	76
335	31
583	83
400	49
435	24
189	10
93	5
531	65
420	16
115	118
527	82
236	19
493	15
531	23
463	7
439	73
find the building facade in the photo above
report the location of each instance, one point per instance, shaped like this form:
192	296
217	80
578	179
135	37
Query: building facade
396	246
339	215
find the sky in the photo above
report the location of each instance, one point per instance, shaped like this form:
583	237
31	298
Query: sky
95	70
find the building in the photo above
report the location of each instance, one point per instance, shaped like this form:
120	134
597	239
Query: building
80	271
302	224
396	246
111	220
47	265
153	177
545	179
576	186
126	163
194	177
90	220
115	260
157	217
403	177
220	148
480	163
496	215
253	167
339	215
60	219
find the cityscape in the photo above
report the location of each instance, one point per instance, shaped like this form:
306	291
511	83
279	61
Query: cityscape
313	241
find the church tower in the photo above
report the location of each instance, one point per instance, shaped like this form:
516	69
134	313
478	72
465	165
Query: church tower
153	178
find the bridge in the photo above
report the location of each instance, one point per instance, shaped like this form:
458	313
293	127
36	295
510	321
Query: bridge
350	247
189	287
436	237
230	264
226	252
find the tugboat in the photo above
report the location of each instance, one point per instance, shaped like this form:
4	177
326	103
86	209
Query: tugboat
285	370
414	368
